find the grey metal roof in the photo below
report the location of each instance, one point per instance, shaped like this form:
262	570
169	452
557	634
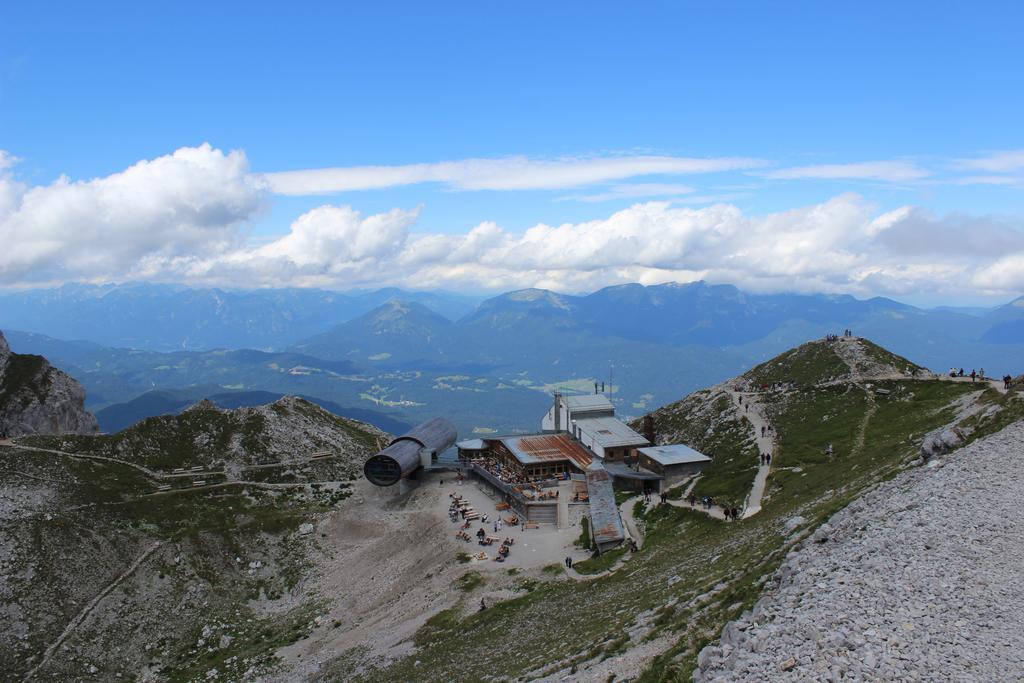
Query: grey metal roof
609	432
675	454
618	469
437	434
471	445
605	523
588	403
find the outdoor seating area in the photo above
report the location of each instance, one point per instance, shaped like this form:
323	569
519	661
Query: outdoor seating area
507	538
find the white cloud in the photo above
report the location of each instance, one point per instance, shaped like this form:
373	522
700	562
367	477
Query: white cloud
194	200
508	173
888	171
184	218
1006	161
632	191
1005	180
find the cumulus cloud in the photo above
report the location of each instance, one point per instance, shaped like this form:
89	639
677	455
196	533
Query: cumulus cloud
508	173
888	171
194	200
841	245
184	218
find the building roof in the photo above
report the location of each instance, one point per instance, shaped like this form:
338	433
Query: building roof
588	403
605	522
471	445
622	471
609	432
437	435
675	454
542	448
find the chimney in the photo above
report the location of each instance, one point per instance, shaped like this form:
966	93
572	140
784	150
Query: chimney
649	429
558	412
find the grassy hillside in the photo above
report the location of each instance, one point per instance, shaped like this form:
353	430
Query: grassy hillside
204	435
694	573
177	583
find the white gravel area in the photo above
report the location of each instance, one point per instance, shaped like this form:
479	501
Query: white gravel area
922	579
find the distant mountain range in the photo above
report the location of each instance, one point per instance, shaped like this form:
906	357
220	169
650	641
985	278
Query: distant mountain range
546	326
167	317
493	367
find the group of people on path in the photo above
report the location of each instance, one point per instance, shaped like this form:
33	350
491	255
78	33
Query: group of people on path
708	502
835	337
976	375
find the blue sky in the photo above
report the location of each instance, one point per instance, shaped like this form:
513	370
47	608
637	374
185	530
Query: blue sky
917	105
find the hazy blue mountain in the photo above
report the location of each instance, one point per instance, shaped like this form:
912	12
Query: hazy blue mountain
539	330
470	397
169	317
494	368
1006	324
395	331
119	416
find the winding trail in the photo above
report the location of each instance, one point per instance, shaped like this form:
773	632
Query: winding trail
87	610
144	470
713	511
629	520
763	431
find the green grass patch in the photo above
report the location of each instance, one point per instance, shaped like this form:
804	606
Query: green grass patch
584	540
599	563
469	581
808	364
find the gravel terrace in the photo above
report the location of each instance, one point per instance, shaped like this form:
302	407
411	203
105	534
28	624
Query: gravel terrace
922	579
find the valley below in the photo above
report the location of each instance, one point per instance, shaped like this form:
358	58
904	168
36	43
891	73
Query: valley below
243	544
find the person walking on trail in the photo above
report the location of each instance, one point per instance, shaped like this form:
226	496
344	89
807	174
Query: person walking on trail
768	459
974	375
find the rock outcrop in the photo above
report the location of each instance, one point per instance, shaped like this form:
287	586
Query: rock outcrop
918	580
37	398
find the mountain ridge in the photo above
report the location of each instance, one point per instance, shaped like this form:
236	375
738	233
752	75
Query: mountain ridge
37	398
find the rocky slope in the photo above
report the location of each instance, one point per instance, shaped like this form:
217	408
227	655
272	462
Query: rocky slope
918	580
115	565
36	398
290	429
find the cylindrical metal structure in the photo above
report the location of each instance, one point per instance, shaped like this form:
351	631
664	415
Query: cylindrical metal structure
402	457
